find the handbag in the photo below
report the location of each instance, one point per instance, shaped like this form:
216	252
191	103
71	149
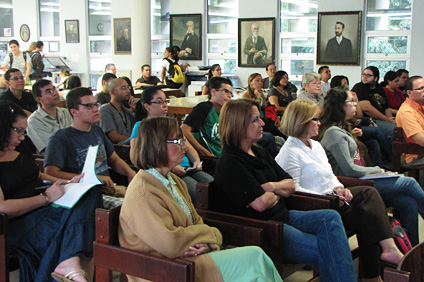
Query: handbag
270	112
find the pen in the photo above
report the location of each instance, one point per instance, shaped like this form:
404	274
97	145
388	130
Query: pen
347	204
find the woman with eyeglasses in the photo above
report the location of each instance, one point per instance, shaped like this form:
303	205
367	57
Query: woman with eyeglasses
311	89
158	218
402	193
49	241
154	103
361	207
214	71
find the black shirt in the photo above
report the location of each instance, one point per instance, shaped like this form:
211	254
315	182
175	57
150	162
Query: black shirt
152	80
27	101
239	177
376	96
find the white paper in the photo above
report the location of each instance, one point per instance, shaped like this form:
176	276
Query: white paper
89	169
73	192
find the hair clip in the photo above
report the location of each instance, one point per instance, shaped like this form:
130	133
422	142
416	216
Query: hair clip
11	110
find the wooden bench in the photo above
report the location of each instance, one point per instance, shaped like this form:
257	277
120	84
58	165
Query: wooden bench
109	256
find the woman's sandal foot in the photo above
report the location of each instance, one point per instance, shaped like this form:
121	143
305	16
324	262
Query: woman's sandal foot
69	277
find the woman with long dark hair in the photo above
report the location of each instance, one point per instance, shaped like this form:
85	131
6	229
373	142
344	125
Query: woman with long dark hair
402	193
281	95
393	93
214	71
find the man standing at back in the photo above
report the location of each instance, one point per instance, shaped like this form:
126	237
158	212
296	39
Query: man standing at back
17	59
37	61
48	118
325	73
15	81
116	120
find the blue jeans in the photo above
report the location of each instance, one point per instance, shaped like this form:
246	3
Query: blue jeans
406	195
377	143
319	238
387	128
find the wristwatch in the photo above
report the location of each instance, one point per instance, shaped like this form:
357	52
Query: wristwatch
47	198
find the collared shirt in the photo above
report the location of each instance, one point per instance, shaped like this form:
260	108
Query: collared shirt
411	118
303	95
169	183
339	39
41	125
27	101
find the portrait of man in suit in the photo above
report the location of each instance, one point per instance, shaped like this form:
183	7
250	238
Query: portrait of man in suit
190	46
339	48
255	47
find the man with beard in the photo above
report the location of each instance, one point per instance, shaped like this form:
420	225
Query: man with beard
339	48
255	47
190	46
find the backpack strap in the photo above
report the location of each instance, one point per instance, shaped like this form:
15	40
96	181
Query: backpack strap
11	59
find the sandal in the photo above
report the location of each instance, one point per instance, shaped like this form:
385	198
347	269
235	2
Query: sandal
68	277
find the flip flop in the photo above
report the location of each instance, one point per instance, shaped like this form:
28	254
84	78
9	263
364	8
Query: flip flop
68	277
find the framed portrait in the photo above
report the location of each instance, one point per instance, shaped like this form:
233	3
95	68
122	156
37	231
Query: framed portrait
24	32
186	33
339	38
72	31
122	35
256	41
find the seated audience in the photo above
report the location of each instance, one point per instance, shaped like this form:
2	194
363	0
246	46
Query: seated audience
64	74
201	126
158	218
67	148
48	118
155	104
146	78
325	73
116	120
214	71
16	92
281	95
103	97
109	68
373	101
3	85
393	94
311	89
270	71
402	193
361	207
46	239
411	118
251	184
403	77
73	82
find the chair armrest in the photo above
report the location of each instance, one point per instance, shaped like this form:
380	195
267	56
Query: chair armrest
351	181
237	235
209	164
306	201
394	275
140	265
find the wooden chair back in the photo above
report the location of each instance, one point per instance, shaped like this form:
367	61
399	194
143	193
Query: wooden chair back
4	250
413	262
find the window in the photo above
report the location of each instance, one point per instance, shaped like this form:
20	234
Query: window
100	37
49	18
298	27
160	33
6	23
388	25
222	34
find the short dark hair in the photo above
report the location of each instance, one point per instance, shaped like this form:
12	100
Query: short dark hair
73	99
216	83
9	71
340	24
375	72
13	41
36	88
143	66
321	69
337	81
270	64
108	76
108	66
277	77
409	84
73	82
9	113
399	72
39	44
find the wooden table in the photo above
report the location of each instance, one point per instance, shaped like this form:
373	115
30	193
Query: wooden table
179	111
168	92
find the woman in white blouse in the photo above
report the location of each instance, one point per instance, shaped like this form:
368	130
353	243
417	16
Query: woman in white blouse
361	207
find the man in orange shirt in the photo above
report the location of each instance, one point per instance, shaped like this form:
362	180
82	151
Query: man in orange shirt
411	117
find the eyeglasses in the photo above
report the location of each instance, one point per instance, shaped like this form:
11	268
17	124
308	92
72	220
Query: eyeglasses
226	91
350	101
180	141
123	87
419	89
16	78
160	102
315	119
367	74
90	105
20	131
50	91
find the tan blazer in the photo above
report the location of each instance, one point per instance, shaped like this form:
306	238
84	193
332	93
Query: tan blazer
152	222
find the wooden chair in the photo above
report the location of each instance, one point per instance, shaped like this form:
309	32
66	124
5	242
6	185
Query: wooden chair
4	251
109	256
400	146
410	268
123	151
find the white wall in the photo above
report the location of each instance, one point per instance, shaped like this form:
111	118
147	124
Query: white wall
417	40
23	13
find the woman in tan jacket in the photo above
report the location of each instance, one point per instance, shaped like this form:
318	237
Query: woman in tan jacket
158	218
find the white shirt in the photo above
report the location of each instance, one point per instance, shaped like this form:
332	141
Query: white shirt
309	168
